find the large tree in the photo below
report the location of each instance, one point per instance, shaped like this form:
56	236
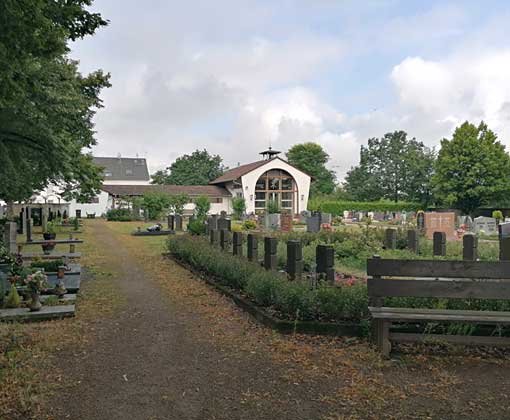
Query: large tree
46	105
311	158
199	168
392	167
472	169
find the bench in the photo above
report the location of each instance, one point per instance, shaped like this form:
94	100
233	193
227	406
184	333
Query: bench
435	279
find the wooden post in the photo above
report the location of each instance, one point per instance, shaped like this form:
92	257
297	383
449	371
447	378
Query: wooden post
325	261
469	247
380	328
390	240
294	260
237	247
270	248
413	241
253	252
439	244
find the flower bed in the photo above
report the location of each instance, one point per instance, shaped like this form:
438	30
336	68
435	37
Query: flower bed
285	299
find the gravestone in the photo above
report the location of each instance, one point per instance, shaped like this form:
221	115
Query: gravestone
30	225
212	222
313	223
325	261
253	252
286	222
439	244
224	224
270	249
390	238
10	233
304	215
272	221
378	216
504	241
440	222
171	222
326	218
178	223
294	260
486	225
469	247
21	224
413	241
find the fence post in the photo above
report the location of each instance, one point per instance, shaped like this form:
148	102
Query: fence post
390	239
469	247
439	244
214	237
270	247
413	241
253	252
237	247
294	260
325	261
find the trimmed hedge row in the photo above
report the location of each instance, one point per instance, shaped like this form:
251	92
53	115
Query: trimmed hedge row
290	300
337	208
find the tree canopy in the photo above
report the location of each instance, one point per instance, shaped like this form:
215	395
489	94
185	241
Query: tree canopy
198	168
393	167
311	158
46	105
472	169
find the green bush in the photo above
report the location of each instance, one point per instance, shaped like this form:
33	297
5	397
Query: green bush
119	215
196	227
13	299
249	225
291	300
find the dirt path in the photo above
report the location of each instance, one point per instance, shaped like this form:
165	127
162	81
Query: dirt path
146	363
176	349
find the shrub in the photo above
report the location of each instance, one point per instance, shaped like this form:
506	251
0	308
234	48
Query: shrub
249	225
498	215
155	203
12	300
119	215
196	227
239	207
202	207
291	300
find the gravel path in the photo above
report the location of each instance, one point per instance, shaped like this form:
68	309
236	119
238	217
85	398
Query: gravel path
147	363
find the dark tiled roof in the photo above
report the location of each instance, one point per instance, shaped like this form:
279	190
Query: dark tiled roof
192	190
123	169
238	172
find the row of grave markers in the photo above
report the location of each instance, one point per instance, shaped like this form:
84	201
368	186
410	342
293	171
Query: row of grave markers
325	256
439	240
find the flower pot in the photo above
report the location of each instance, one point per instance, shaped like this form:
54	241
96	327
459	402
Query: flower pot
49	236
47	247
35	303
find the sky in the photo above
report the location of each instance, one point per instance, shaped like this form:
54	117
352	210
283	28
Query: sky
235	76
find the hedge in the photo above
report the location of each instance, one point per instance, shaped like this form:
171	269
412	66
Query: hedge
337	208
289	300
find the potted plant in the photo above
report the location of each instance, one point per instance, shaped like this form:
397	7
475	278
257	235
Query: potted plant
47	247
50	232
35	283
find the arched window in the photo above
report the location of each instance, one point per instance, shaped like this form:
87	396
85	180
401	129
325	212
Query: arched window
276	185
